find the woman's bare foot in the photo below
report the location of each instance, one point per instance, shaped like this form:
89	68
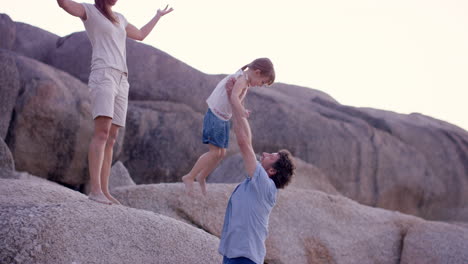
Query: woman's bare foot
100	198
202	182
112	199
188	182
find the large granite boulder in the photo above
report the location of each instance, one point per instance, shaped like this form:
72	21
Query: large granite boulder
307	176
34	42
305	226
410	163
6	173
25	39
6	159
378	161
51	126
42	222
155	75
119	176
7	31
434	242
159	135
443	194
9	89
73	55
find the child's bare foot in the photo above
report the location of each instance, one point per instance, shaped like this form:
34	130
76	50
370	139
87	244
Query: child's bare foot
100	198
188	182
202	182
112	199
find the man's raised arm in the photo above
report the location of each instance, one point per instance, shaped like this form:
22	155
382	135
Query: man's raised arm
242	129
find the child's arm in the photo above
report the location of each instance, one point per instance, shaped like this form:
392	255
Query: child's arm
73	8
229	86
242	96
241	128
140	34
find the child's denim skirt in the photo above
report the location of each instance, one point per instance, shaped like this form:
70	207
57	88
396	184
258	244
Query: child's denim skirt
215	130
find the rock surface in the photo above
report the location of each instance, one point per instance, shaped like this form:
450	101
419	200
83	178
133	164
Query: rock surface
434	242
305	226
6	159
160	135
307	176
7	31
411	163
42	222
374	157
52	121
119	176
9	89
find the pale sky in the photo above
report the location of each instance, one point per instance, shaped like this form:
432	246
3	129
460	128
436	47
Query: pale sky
399	55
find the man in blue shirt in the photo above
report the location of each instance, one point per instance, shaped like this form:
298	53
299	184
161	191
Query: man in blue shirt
246	221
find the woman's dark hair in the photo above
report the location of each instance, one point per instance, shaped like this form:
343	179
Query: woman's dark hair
265	66
101	6
284	167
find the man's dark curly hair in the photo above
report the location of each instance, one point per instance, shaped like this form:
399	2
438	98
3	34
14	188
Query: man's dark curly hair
284	167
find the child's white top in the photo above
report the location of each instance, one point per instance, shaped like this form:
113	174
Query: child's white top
108	39
218	101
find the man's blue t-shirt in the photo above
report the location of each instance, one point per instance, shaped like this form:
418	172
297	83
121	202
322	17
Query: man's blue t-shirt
245	226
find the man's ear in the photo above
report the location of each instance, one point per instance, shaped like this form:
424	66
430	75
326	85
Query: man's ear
258	72
271	172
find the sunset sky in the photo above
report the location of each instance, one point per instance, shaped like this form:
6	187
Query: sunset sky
401	55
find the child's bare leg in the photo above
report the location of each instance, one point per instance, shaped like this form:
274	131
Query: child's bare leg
201	177
189	178
207	160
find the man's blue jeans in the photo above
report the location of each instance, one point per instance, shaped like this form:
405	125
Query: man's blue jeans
240	260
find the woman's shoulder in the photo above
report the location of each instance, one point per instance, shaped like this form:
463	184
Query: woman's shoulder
90	9
88	6
121	18
119	14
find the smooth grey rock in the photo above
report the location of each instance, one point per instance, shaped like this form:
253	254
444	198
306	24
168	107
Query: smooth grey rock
51	128
42	222
6	159
7	31
119	176
9	89
311	226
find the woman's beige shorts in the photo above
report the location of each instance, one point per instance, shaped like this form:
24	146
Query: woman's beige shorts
109	94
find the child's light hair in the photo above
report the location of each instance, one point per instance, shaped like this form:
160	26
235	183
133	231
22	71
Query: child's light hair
265	66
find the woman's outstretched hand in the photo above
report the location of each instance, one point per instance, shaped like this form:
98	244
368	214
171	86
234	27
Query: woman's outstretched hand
165	11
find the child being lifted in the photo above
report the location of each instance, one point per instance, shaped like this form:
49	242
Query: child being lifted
216	126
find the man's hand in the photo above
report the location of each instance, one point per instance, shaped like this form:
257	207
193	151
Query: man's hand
247	113
229	87
241	126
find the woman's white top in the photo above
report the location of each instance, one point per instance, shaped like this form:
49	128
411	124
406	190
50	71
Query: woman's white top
108	39
218	101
